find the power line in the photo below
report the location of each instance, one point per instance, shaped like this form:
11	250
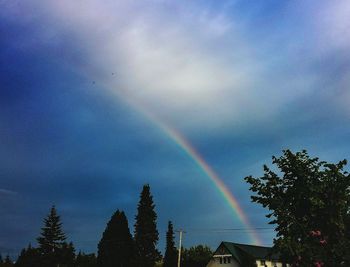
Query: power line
224	230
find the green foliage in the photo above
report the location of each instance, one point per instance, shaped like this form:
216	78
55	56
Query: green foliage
146	234
116	246
197	256
309	201
170	256
85	260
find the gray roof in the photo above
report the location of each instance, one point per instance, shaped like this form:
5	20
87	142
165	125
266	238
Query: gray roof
243	252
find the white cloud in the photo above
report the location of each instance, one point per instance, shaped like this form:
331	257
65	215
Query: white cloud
332	24
192	65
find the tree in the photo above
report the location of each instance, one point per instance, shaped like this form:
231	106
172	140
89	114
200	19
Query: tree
29	257
66	255
7	262
85	260
197	256
52	246
170	256
146	235
116	246
309	202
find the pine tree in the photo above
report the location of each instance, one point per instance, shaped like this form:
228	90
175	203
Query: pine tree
66	255
85	260
29	257
1	261
170	256
52	240
146	234
116	246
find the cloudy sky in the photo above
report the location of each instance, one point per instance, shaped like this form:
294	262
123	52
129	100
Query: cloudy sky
90	89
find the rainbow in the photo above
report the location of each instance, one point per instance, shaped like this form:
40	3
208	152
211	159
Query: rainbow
192	153
219	184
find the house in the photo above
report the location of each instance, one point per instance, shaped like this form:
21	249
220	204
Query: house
230	254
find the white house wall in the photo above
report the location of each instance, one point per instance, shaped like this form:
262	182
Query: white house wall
268	264
215	262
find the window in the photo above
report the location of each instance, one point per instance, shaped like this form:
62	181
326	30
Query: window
262	262
220	260
228	260
224	260
274	264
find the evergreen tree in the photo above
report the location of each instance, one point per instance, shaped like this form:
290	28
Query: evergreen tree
146	234
85	260
66	255
52	240
116	246
1	261
29	257
170	256
7	262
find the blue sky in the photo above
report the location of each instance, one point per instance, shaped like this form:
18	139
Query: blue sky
241	80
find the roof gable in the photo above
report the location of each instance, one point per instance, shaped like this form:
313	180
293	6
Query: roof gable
243	253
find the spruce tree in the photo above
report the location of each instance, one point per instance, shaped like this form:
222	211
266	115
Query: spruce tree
116	246
146	234
66	255
85	260
170	256
29	257
52	240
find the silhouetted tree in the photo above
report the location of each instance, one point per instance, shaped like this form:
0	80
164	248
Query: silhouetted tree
116	246
146	233
170	255
7	262
86	260
309	201
29	257
52	246
197	256
66	255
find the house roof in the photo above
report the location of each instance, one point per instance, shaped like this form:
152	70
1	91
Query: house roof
243	252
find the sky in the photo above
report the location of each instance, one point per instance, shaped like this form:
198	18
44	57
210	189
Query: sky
94	93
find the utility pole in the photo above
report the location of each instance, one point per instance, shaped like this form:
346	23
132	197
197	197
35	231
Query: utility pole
179	258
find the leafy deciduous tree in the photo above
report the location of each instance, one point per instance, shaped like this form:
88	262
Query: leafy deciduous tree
197	256
309	201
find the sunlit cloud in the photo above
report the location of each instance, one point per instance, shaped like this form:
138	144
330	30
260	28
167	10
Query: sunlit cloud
191	61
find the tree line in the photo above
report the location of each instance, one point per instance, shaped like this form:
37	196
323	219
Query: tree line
117	247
